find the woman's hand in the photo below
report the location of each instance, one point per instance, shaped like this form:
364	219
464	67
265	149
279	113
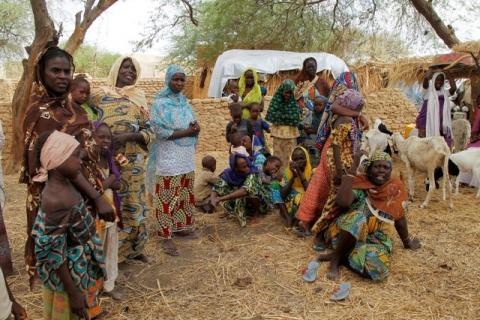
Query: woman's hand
294	169
214	200
18	311
104	209
364	125
193	129
78	304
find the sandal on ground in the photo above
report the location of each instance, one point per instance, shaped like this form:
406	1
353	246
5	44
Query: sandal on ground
341	292
301	232
310	274
319	247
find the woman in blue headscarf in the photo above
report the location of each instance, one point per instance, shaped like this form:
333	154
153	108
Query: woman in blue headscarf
170	170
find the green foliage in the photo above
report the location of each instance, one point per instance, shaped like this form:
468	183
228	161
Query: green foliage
15	28
270	24
97	63
244	24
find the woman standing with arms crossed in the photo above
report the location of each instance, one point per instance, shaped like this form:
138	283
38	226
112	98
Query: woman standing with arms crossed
171	164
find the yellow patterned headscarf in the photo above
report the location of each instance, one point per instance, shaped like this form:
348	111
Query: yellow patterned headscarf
307	172
376	156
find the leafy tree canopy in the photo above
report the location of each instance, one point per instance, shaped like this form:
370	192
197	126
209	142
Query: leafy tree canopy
88	59
15	28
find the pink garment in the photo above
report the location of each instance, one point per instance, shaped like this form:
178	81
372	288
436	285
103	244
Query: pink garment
317	192
475	129
55	151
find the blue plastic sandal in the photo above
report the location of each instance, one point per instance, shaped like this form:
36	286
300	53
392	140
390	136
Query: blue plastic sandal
310	274
342	292
319	247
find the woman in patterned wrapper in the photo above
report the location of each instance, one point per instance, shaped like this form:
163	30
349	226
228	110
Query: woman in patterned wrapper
171	162
122	106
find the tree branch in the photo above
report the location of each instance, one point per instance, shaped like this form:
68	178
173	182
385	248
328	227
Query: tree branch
91	13
189	9
446	33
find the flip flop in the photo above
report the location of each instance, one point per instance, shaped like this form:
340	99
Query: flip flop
319	247
341	292
310	275
171	251
301	233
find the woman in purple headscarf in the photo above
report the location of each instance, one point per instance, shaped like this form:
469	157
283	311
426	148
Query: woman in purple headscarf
241	190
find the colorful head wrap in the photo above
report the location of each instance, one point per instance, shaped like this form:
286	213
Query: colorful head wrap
55	151
376	156
281	112
351	99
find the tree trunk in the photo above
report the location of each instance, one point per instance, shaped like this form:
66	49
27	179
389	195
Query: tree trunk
446	33
44	33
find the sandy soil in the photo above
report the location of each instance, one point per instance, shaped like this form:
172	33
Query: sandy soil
255	272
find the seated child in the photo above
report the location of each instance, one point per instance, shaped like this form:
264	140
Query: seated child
258	124
107	231
295	182
237	144
204	184
8	305
243	127
80	91
270	176
69	254
256	155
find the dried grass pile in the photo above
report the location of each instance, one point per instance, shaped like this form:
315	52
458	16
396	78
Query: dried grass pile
371	76
409	70
255	272
392	107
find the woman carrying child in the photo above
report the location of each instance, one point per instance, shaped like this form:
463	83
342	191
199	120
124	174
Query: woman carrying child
123	107
240	189
50	108
340	153
69	253
171	164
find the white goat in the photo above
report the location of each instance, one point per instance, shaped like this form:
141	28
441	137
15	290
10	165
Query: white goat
461	132
467	161
425	155
374	140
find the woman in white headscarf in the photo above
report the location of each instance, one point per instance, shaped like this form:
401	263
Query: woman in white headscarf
434	119
123	107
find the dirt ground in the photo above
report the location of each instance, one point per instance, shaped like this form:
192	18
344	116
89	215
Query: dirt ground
255	272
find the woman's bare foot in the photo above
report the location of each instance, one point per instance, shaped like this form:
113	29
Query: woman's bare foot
114	294
141	257
170	248
333	272
186	234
